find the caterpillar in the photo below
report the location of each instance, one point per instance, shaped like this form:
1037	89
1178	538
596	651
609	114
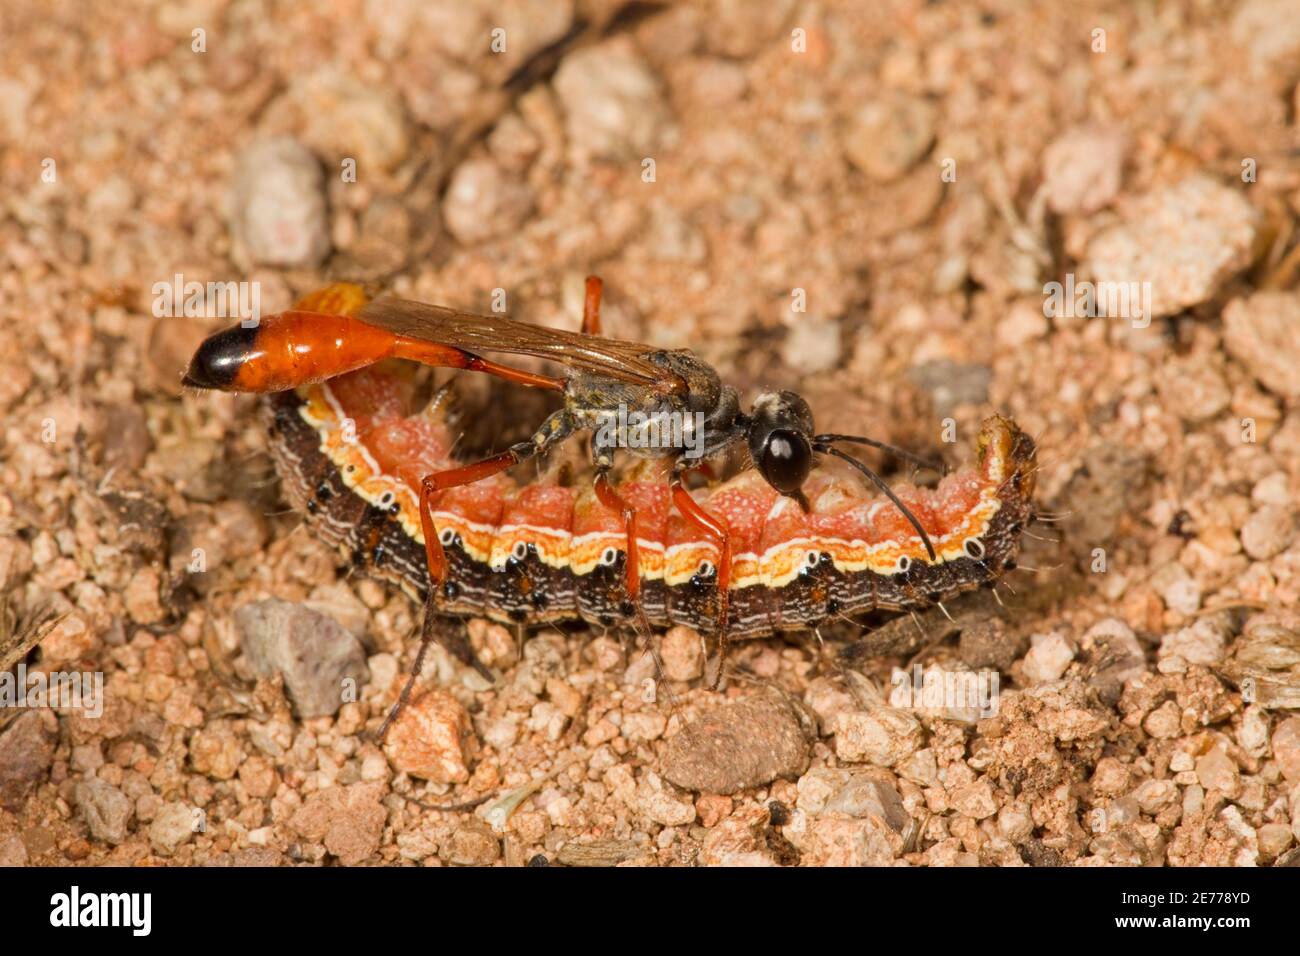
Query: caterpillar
351	460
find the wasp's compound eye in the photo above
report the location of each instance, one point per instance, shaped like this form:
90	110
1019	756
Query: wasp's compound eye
785	460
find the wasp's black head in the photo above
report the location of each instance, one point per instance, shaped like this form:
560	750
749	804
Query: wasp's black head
780	440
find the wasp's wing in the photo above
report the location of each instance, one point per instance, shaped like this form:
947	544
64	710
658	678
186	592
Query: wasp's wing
498	333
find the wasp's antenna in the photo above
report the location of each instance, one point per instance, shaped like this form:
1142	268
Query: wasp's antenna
426	640
880	483
936	466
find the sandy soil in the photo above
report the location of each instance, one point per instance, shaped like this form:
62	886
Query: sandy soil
864	202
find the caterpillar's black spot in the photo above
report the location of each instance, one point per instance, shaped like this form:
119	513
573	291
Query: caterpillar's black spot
833	606
540	600
517	614
702	582
1008	565
450	590
626	608
934	597
324	492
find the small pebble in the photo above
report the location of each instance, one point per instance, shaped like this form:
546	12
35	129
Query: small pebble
838	841
366	121
13	852
887	136
740	840
1186	240
349	821
1216	771
483	201
1286	748
1274	840
1201	643
1194	388
321	662
1165	722
428	739
865	796
1268	531
951	383
813	345
974	800
216	752
1083	168
661	804
1154	795
742	744
279	204
1049	656
1110	777
882	737
922	767
472	844
105	810
682	652
613	104
1113	641
172	826
1183	596
1259	331
26	752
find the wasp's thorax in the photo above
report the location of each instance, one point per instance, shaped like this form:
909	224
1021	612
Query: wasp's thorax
692	423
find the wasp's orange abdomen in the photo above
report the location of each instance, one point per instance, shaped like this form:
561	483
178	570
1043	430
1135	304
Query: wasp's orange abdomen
286	350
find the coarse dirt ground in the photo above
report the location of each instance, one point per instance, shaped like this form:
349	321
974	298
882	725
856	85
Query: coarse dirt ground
860	201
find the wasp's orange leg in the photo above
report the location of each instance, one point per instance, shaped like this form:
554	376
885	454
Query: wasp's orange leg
432	485
555	429
448	356
591	307
615	502
716	529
